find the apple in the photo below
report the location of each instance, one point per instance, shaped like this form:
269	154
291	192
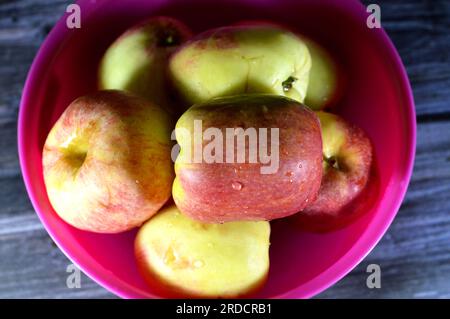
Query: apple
107	162
226	176
325	80
326	77
241	59
347	160
181	256
137	60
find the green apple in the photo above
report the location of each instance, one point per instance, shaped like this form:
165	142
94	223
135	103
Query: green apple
107	163
325	77
203	260
137	60
324	81
229	176
241	59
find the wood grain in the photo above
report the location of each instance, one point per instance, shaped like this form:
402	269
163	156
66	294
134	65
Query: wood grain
414	255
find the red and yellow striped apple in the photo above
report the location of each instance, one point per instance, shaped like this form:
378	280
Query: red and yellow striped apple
107	165
181	256
278	180
347	160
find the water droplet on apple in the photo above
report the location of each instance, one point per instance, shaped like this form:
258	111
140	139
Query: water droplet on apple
291	180
237	186
265	109
300	165
199	263
289	173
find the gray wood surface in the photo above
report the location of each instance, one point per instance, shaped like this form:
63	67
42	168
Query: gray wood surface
415	253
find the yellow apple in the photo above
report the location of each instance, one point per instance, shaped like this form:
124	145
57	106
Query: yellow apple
106	161
325	80
203	260
241	59
137	60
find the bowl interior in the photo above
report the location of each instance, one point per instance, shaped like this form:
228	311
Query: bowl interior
377	98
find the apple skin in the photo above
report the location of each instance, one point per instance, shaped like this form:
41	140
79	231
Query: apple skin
137	61
347	171
106	162
207	191
326	77
183	257
241	59
326	81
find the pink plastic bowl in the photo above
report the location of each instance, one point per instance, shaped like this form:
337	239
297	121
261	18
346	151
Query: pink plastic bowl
378	98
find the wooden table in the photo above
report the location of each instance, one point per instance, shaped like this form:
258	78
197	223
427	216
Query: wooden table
414	255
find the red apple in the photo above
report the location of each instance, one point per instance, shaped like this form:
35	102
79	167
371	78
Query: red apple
107	164
347	160
218	189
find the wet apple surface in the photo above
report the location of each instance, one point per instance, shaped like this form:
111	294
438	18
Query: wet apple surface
245	188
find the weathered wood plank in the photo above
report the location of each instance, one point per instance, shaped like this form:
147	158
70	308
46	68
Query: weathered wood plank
420	32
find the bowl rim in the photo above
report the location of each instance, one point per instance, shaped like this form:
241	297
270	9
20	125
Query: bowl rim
361	248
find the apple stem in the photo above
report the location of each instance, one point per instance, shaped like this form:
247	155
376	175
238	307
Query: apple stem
287	84
332	161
